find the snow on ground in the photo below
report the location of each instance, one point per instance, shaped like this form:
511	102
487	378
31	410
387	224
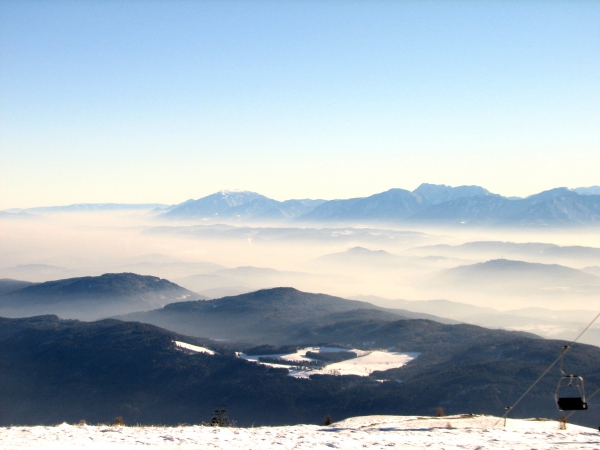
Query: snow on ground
194	348
372	432
363	365
376	360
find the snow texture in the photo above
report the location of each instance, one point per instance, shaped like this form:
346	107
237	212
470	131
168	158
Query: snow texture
363	365
372	432
194	348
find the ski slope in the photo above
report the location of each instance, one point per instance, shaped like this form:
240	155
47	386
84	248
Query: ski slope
193	348
372	432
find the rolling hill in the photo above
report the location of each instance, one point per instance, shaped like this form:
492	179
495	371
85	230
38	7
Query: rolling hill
575	255
92	297
264	316
55	370
515	284
504	273
9	285
38	272
361	256
545	322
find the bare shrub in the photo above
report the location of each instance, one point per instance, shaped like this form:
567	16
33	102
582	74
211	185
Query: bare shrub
440	412
119	421
328	420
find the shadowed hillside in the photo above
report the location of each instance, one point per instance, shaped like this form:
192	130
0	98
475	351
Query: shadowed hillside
265	316
92	297
55	370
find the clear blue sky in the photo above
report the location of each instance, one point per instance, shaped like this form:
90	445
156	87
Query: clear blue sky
141	101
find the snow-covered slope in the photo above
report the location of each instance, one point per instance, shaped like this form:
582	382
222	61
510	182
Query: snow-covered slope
194	348
373	432
363	365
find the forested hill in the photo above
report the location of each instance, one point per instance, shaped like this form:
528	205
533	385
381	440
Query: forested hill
92	297
264	316
53	370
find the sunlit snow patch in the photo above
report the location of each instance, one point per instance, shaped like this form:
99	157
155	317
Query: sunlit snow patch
194	348
376	360
363	365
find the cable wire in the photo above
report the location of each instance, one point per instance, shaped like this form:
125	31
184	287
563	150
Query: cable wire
565	350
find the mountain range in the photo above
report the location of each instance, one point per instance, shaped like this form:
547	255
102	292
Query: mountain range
391	205
240	205
556	207
428	204
55	370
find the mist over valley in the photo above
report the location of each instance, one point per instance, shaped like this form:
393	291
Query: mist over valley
468	303
241	225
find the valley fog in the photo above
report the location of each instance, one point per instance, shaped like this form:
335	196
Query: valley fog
523	275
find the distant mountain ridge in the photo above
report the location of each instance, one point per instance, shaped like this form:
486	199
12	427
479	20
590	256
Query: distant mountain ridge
9	285
592	190
427	204
440	193
264	316
517	284
536	251
254	317
501	271
393	204
92	297
444	205
560	206
240	205
87	207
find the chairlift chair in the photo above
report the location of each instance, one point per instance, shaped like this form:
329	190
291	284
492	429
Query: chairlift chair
570	393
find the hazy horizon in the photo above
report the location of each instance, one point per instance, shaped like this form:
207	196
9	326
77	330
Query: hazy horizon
160	102
137	102
355	193
278	199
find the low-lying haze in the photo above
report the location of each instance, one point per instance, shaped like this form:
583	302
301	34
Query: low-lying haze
393	265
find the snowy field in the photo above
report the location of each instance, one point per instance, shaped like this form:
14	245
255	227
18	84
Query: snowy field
363	365
372	432
193	348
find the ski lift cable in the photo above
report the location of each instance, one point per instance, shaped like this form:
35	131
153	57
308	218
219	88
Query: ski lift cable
566	348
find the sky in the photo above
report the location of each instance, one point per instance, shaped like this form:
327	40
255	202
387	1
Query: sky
162	101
